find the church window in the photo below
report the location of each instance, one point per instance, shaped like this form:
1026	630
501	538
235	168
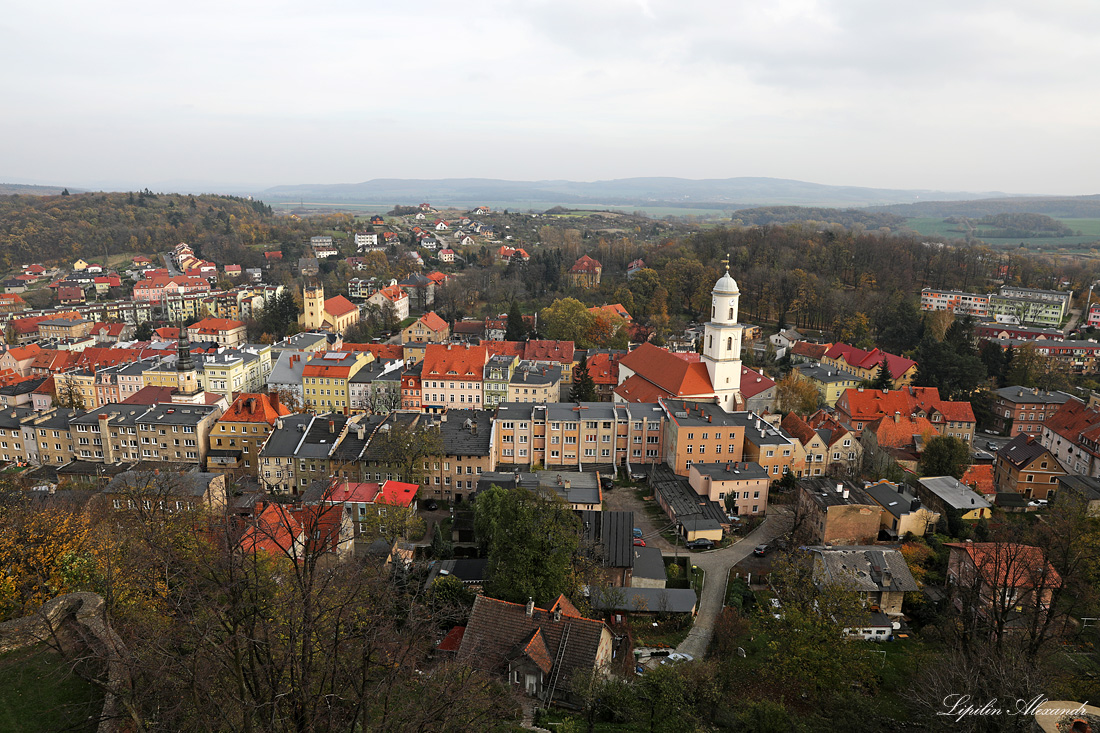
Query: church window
710	341
729	343
731	313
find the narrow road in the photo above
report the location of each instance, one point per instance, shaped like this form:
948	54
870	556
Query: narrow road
717	564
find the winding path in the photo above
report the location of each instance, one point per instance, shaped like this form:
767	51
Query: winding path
716	564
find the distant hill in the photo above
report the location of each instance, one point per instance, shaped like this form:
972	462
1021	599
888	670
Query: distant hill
91	225
25	189
845	217
683	192
1069	207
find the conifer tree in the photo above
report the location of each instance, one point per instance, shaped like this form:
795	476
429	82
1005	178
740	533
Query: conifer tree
584	387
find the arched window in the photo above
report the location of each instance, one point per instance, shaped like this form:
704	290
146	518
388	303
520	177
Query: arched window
729	343
731	312
710	341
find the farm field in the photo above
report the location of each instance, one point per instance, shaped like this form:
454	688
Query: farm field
1090	229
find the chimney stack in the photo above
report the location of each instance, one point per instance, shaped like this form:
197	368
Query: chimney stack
530	610
332	426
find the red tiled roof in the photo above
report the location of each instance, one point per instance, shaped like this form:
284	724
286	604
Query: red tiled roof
392	293
274	531
397	493
46	387
380	351
454	361
899	433
433	321
1004	564
809	350
585	265
453	640
980	477
53	361
339	306
1072	420
614	309
273	255
896	365
167	333
798	428
675	376
22	353
865	405
559	351
506	348
109	329
254	407
355	493
215	325
636	389
753	383
604	368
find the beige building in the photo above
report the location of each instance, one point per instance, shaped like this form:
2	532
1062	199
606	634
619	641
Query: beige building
222	331
742	488
902	513
321	314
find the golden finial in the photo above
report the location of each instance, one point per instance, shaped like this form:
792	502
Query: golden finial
726	262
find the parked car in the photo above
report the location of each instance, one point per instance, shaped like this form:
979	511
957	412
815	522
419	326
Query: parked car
431	505
990	445
699	544
606	483
639	542
637	532
677	657
760	550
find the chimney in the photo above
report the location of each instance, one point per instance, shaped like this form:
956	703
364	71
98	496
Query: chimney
845	494
557	614
897	416
839	488
332	426
530	610
566	483
362	431
274	397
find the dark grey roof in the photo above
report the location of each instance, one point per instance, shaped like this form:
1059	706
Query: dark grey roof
891	498
301	341
646	600
192	483
702	414
59	420
648	563
686	504
304	436
731	471
825	373
613	532
467	432
1027	395
371	452
583	487
1020	451
352	446
536	375
869	568
823	490
24	387
1086	486
13	416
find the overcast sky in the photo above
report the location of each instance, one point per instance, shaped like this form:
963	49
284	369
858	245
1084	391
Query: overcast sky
939	94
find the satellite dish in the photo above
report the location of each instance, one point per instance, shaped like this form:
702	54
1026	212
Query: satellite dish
740	652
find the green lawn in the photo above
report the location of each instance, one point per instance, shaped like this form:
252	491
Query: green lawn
39	695
1090	229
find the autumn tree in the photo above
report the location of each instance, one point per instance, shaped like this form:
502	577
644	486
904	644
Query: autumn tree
796	394
402	445
567	319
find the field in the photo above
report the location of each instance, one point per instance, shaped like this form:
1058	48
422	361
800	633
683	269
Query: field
1090	229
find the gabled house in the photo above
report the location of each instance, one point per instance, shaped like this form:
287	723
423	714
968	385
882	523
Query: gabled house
880	575
845	450
1023	466
1000	580
536	650
860	407
1072	435
585	273
865	364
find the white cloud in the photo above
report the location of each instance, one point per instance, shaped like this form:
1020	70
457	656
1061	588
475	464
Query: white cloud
975	96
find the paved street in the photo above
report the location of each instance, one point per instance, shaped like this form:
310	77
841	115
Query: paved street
717	564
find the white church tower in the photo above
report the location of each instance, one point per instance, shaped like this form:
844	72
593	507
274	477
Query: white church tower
722	344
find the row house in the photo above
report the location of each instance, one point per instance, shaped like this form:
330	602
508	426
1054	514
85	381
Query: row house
960	303
299	450
376	387
467	440
114	433
158	289
845	450
866	364
222	331
770	446
326	379
859	407
119	382
411	386
579	435
1019	410
286	376
994	331
1072	435
17	435
498	374
452	376
240	432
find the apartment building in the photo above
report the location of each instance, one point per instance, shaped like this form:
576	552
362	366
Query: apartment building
326	378
535	382
1024	410
376	387
1072	435
835	512
958	302
1023	466
498	374
701	432
17	435
299	450
740	487
222	331
240	432
55	441
452	376
166	432
578	436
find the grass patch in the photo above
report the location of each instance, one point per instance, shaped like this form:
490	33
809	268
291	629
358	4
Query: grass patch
666	634
39	694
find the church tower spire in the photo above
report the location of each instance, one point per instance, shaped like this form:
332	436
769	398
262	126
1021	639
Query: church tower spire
722	343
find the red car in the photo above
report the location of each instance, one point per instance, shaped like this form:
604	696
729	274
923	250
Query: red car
639	542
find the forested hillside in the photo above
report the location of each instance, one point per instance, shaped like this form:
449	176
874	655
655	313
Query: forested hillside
790	214
93	225
1071	207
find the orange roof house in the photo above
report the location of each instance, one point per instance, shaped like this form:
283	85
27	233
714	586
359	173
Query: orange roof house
255	407
614	309
556	351
858	407
381	351
650	372
585	273
453	361
806	351
980	478
865	364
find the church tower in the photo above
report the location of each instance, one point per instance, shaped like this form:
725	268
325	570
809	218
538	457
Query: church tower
313	307
722	344
187	376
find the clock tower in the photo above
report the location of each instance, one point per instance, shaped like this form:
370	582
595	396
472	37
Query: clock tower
722	344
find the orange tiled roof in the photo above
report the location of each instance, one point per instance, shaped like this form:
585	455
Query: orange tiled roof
339	306
392	293
380	351
899	433
254	407
585	264
215	325
674	375
1010	564
896	365
809	350
433	321
798	428
636	389
22	353
866	405
559	351
454	361
506	348
980	477
614	309
604	368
